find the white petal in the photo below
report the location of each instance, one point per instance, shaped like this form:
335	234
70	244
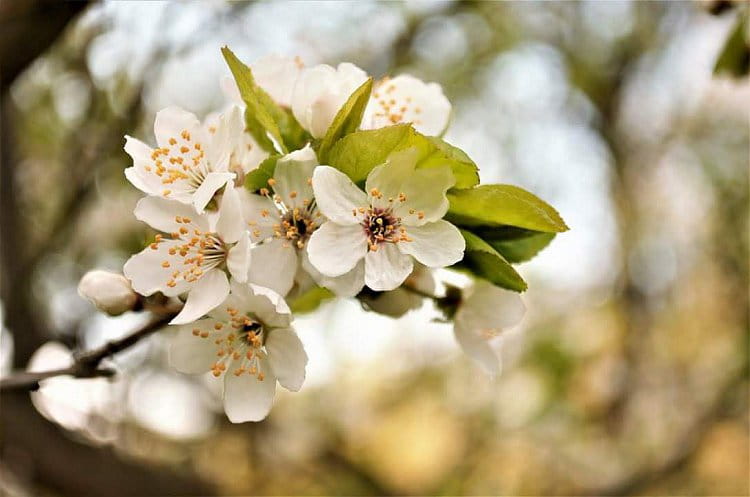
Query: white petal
248	399
172	121
430	203
287	357
266	304
335	249
210	185
208	292
346	285
222	140
161	214
277	75
259	214
230	224
437	244
406	99
193	354
337	197
143	179
477	349
148	276
230	90
386	268
389	178
293	174
489	307
239	258
273	266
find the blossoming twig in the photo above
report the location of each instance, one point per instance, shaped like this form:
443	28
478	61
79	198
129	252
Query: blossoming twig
86	364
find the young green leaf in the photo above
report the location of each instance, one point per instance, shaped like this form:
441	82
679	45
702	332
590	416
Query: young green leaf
358	153
347	120
310	300
734	58
261	109
522	249
499	205
485	262
258	178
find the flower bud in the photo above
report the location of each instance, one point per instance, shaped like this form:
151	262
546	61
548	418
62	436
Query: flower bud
109	292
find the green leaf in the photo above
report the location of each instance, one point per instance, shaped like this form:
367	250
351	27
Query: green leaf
310	300
347	119
501	205
358	153
735	56
485	262
261	109
522	249
258	178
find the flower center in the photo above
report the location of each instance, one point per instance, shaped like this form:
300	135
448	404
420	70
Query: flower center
239	343
180	163
192	252
381	226
297	225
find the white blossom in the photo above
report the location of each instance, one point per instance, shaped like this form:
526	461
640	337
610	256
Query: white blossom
406	99
109	292
245	153
189	165
376	235
281	223
191	257
275	74
485	311
321	91
249	341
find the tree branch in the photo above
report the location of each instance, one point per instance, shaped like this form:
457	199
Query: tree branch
86	364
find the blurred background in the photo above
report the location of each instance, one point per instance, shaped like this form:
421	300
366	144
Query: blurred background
629	373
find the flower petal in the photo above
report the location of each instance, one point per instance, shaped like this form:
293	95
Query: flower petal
293	175
259	213
147	275
406	99
246	398
287	357
172	121
193	354
222	140
386	268
239	257
277	74
208	292
263	302
346	285
273	266
387	179
139	176
337	197
489	307
335	249
423	205
437	244
162	214
230	223
477	349
210	185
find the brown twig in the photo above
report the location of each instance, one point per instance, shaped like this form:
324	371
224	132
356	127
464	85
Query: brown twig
86	364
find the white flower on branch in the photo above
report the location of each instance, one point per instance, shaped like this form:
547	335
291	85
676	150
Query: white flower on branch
192	256
485	311
245	153
109	292
376	235
319	93
406	99
190	163
276	74
281	223
249	341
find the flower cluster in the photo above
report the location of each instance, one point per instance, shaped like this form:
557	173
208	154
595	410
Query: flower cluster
330	184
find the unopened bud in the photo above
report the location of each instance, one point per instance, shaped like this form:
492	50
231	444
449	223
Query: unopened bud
109	292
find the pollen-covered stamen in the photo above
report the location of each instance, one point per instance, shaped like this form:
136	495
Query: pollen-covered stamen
296	224
393	107
180	163
239	343
382	226
195	253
